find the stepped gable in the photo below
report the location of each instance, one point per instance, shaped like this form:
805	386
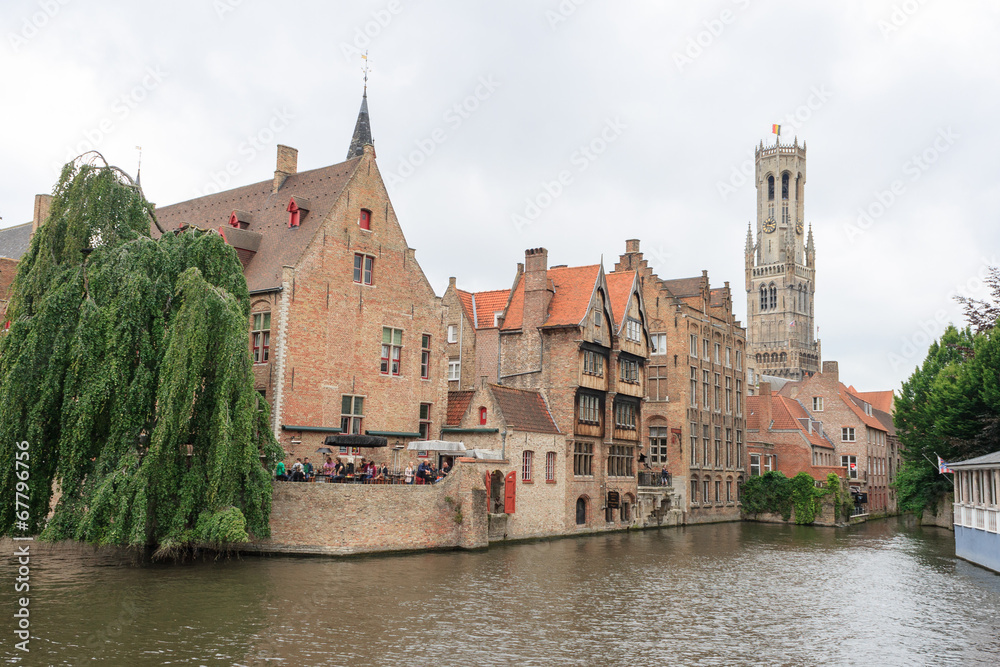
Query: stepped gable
280	245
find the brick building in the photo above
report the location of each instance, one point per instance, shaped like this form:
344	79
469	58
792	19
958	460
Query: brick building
694	410
580	338
14	242
783	436
860	432
346	332
472	334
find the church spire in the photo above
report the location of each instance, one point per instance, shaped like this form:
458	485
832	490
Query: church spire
362	128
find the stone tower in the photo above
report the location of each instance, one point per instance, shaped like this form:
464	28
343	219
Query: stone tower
781	269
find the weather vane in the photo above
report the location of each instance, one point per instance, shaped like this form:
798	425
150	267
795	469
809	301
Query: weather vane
367	68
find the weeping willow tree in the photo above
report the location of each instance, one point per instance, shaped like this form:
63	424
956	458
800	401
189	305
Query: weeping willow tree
127	373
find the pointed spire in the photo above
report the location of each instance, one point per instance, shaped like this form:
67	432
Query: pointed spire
362	128
809	239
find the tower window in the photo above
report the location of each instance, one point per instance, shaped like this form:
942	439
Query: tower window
784	186
774	297
770	187
763	298
365	219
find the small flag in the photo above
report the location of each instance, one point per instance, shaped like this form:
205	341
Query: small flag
791	325
776	129
943	467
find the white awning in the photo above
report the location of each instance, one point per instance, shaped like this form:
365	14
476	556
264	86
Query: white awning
435	446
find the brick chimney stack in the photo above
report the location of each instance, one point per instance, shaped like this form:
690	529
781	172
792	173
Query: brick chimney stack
831	369
41	212
288	161
536	287
765	406
631	245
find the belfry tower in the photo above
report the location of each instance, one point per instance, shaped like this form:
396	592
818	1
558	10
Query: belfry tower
781	269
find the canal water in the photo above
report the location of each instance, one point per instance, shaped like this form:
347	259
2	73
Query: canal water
883	593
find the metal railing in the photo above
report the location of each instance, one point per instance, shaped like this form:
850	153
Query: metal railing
651	478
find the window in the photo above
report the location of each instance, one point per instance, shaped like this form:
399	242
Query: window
694	444
768	460
482	415
770	187
365	219
628	370
847	434
704	348
817	404
705	458
363	265
597	318
694	387
706	498
352	412
583	458
705	393
294	213
528	458
593	363
739	360
718	353
784	186
425	356
590	409
659	343
625	415
729	357
392	347
454	369
773	292
694	491
851	463
739	448
718	393
693	346
658	444
657	390
260	336
452	333
763	298
550	467
633	330
729	395
619	461
739	397
754	465
718	446
729	490
718	491
729	448
425	421
581	511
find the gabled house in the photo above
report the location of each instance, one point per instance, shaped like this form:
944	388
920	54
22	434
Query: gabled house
472	334
345	331
583	343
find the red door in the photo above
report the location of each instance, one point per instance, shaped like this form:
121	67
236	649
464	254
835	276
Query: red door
487	492
508	492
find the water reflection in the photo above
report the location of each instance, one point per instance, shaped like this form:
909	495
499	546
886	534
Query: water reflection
887	592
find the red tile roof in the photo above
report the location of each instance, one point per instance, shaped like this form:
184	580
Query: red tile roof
524	410
619	291
465	298
869	420
880	400
573	289
280	246
786	415
486	305
458	404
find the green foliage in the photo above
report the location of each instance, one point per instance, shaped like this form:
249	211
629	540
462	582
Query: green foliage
949	407
125	353
773	493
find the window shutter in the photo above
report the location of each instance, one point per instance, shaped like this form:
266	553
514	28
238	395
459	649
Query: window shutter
508	496
487	476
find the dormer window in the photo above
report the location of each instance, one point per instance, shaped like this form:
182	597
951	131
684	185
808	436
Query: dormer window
297	209
239	219
365	219
233	221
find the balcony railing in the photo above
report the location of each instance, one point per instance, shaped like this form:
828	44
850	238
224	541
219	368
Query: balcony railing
648	478
981	518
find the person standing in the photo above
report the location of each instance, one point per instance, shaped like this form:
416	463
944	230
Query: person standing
408	473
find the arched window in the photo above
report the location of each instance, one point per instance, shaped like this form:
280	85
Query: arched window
763	298
758	357
581	510
784	185
774	296
770	187
784	357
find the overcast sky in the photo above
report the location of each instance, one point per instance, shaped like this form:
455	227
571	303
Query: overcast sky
481	112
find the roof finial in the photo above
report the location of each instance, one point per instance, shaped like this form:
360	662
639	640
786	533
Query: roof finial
138	169
362	129
367	68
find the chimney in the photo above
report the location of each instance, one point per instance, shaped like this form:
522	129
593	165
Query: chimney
765	406
536	287
451	281
42	205
832	369
288	161
632	245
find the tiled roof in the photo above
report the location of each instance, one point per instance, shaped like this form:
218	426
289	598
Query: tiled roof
280	245
786	415
852	403
799	414
880	400
458	404
619	290
684	286
986	460
14	241
523	410
753	412
487	304
465	298
573	288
